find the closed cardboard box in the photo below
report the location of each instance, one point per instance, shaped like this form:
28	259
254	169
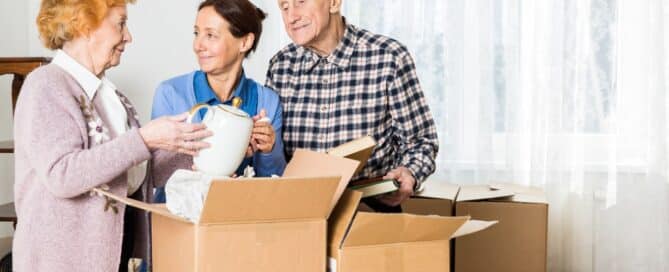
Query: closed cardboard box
517	243
437	198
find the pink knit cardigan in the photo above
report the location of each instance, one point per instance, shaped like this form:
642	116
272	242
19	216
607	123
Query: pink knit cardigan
61	226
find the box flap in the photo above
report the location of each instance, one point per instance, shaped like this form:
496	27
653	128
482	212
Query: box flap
481	192
359	149
307	163
439	190
377	228
154	208
523	194
472	226
341	217
268	199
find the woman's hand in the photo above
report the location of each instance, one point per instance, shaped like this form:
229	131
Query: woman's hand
173	134
249	151
262	138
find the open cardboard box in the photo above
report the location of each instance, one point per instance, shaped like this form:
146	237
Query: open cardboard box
361	241
517	243
254	224
436	198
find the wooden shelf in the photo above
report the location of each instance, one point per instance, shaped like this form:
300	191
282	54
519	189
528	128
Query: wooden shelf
6	146
7	212
21	66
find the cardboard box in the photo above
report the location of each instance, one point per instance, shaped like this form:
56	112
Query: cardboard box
437	198
361	241
254	224
517	243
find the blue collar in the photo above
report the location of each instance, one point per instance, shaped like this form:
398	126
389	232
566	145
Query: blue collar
245	90
205	94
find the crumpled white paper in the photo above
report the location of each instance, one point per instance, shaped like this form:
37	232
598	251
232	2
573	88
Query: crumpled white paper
186	191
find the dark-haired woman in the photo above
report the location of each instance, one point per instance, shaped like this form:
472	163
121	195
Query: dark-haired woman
225	33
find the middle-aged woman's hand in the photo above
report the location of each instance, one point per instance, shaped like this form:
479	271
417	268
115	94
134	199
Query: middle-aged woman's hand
173	134
263	133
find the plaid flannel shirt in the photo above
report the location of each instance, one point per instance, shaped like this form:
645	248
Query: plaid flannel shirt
366	86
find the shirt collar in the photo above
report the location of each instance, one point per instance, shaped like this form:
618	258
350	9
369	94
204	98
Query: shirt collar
205	94
341	56
86	79
107	83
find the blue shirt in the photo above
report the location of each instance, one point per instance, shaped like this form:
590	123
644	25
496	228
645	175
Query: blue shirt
179	94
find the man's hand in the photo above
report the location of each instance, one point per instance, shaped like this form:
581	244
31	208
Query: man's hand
407	182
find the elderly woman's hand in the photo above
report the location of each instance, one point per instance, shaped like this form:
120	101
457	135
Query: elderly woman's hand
263	136
173	134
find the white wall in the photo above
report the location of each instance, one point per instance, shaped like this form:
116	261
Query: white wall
161	48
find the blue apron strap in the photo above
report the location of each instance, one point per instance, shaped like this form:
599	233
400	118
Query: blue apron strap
249	96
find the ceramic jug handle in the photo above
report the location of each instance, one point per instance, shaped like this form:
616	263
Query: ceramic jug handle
194	110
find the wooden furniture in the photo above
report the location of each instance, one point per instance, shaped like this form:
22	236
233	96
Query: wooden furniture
7	213
19	68
5	251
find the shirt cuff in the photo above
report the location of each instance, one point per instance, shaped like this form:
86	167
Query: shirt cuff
417	176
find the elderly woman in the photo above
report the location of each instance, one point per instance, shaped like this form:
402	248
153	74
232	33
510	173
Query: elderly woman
75	132
226	32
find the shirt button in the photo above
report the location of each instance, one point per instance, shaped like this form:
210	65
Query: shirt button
324	108
325	81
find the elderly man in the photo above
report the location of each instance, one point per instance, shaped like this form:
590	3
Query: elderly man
338	82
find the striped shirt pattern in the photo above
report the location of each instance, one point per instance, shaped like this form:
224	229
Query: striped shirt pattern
366	86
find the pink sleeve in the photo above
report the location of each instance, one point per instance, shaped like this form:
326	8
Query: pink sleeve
50	129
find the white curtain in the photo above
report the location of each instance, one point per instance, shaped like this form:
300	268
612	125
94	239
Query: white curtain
567	95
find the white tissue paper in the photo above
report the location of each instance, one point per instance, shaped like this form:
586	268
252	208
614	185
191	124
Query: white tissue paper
249	172
186	191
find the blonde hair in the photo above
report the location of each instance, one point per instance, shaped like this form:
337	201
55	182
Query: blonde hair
60	21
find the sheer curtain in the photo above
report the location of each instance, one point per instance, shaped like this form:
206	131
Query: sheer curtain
565	95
